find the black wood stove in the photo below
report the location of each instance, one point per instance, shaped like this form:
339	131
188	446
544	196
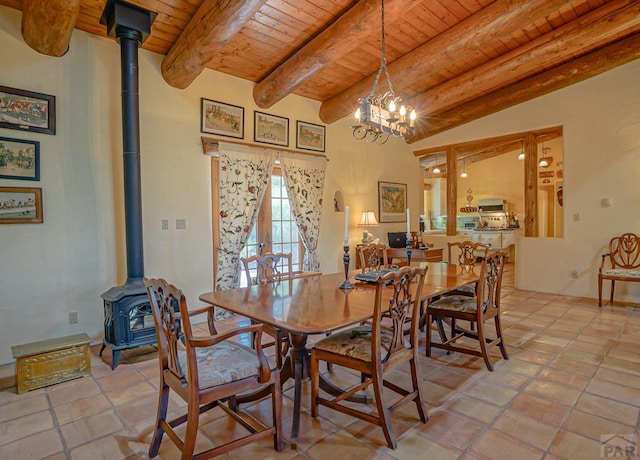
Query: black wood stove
128	321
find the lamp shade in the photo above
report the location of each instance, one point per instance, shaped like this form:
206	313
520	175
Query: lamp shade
368	220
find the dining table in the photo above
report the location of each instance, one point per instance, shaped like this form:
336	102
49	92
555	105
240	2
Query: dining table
306	306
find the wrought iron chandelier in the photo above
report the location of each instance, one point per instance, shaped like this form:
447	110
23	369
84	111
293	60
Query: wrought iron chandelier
379	116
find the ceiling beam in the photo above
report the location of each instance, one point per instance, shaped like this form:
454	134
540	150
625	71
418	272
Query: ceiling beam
210	28
490	24
582	68
47	24
355	26
482	149
609	22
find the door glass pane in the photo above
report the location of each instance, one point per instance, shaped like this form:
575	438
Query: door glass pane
284	231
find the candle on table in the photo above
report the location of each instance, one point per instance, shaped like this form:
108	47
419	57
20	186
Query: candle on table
408	224
346	226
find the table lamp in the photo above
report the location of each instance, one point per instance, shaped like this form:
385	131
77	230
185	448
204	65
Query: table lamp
368	220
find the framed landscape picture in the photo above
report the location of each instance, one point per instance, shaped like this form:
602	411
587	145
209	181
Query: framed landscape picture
220	118
20	205
310	136
19	159
270	129
392	202
27	110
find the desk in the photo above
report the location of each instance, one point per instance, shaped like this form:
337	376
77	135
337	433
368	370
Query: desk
315	305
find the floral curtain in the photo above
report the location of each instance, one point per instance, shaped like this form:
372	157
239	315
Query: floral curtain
304	179
244	175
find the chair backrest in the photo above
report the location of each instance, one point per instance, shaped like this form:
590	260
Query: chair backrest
398	297
169	306
373	256
624	251
268	268
467	254
489	283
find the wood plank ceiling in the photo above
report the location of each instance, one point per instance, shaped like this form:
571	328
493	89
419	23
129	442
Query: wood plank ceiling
454	60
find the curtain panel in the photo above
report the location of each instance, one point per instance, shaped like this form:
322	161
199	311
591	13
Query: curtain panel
244	174
304	178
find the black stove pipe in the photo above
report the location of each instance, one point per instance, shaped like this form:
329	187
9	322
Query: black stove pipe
130	40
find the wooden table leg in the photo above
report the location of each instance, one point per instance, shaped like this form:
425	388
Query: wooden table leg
300	361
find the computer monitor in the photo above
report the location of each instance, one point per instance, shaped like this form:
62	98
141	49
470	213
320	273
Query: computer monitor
397	239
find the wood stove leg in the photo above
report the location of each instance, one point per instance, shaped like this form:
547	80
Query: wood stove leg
114	359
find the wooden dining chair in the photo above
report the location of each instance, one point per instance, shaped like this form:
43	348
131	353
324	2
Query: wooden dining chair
480	308
467	258
270	268
375	349
207	371
373	257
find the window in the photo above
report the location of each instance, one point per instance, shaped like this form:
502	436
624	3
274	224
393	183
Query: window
275	228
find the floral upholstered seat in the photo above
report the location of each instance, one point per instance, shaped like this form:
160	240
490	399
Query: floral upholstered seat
355	343
624	261
223	363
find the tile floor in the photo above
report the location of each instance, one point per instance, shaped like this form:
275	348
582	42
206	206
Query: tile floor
572	381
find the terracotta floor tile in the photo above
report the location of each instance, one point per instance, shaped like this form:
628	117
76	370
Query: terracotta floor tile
593	426
621	365
553	391
491	393
416	446
115	446
617	391
90	428
574	366
23	406
341	441
80	408
72	390
471	407
613	410
451	429
525	428
521	367
612	375
559	346
569	445
40	445
494	444
579	382
22	427
540	409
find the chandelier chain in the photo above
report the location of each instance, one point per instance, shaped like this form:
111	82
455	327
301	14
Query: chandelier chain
383	59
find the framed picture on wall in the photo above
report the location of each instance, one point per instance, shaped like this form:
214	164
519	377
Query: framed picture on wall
392	202
310	136
270	129
20	205
27	110
19	159
220	118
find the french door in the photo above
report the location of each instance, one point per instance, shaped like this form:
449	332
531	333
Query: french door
275	230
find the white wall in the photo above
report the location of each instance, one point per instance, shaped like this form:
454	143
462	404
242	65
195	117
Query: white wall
601	134
66	263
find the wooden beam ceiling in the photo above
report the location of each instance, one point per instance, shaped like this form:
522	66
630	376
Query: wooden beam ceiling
575	71
491	24
213	25
455	61
357	24
612	20
47	25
